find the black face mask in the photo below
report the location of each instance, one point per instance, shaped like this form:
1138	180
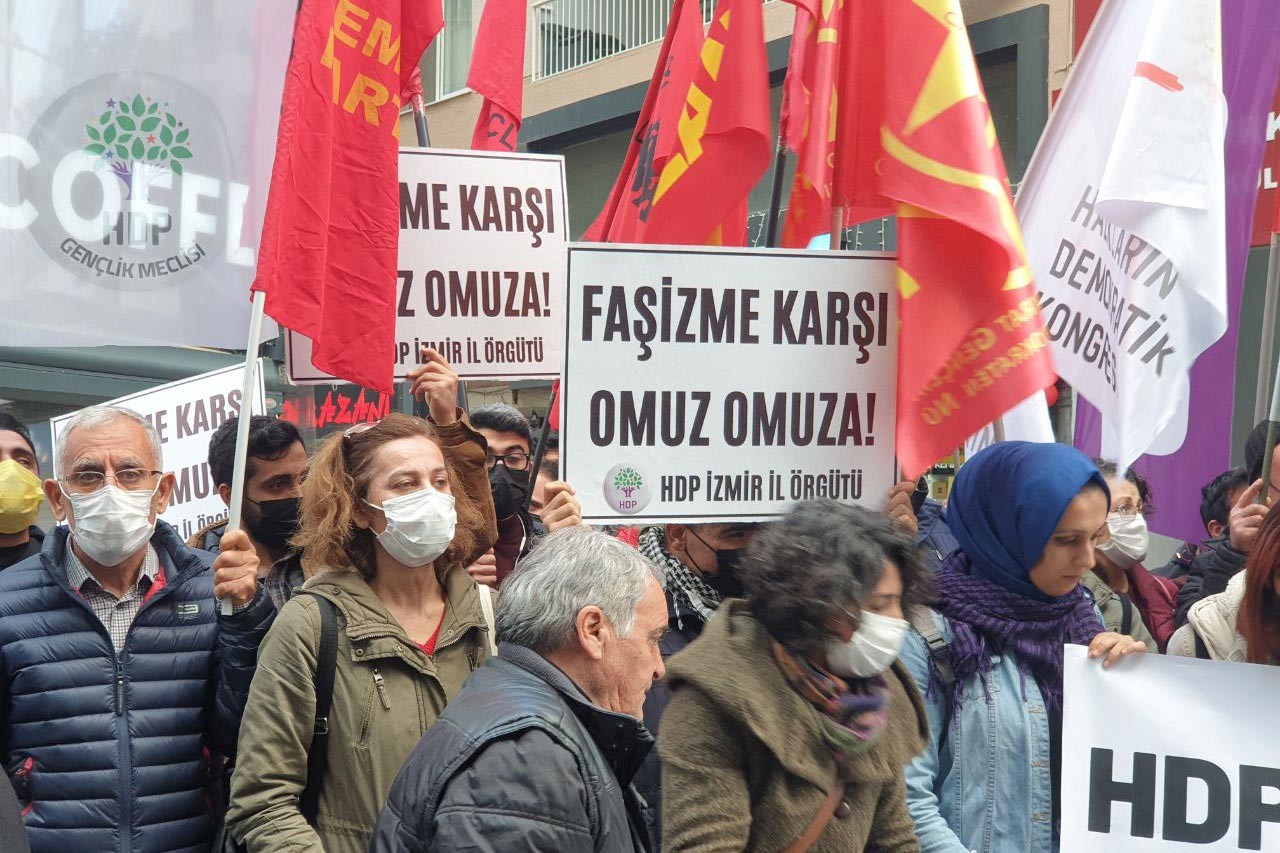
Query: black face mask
510	490
276	523
725	581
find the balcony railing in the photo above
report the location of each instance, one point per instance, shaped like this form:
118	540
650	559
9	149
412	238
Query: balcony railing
569	34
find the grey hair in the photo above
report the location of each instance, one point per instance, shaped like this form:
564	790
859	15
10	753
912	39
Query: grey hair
96	416
571	569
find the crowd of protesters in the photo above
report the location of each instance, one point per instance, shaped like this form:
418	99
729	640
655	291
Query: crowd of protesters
425	648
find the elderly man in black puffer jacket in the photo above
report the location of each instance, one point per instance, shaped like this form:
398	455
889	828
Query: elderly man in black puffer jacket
118	677
538	750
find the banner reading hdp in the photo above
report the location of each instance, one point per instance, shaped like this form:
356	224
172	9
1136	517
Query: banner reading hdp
185	414
716	385
1150	764
482	265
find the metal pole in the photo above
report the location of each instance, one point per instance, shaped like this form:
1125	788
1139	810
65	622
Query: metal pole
1268	330
540	449
837	227
1269	450
242	423
775	192
420	120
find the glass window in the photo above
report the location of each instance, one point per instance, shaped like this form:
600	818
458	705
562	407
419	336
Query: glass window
447	61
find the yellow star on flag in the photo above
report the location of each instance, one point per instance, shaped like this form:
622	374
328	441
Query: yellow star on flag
954	75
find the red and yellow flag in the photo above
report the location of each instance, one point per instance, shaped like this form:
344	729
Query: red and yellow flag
722	138
916	138
497	73
809	107
626	211
332	226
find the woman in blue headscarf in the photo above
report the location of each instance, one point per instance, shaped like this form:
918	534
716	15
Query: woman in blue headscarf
989	657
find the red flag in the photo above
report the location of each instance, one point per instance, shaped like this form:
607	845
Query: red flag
329	240
808	117
722	145
553	416
497	73
629	204
915	138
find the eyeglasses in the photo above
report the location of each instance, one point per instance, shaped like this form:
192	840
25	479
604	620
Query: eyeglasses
352	432
1127	511
515	461
129	479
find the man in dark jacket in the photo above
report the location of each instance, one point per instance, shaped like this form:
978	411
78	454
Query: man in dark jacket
274	466
538	750
118	676
1223	557
20	496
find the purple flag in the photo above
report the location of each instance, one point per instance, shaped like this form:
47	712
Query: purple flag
1250	69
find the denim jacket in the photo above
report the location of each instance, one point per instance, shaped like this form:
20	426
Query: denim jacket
986	784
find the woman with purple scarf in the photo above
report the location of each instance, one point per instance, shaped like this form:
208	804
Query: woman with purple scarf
1027	517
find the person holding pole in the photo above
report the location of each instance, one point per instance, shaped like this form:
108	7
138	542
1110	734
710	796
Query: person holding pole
392	513
118	676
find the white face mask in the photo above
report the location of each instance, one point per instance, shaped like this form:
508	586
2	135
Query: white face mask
872	649
111	524
419	526
1129	540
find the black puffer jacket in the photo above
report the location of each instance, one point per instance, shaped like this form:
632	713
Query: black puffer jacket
1212	568
520	760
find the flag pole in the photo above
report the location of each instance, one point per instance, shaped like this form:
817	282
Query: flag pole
837	228
775	192
1270	447
540	449
1268	329
247	395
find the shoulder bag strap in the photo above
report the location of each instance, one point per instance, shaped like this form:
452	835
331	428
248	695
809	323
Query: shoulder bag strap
1126	618
818	825
926	626
1202	651
486	606
326	666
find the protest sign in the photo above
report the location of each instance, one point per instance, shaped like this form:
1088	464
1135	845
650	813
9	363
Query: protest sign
482	266
136	169
1148	765
185	414
714	385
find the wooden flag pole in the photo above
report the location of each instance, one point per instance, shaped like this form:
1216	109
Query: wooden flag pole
1268	331
247	394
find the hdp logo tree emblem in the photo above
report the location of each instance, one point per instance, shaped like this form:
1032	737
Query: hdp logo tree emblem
137	130
627	481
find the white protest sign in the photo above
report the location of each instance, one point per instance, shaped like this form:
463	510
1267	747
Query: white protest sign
185	414
726	384
1169	755
481	266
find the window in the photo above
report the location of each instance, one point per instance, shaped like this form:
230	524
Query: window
447	61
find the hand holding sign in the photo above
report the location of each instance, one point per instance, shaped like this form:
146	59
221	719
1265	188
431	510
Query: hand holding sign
235	571
1246	518
562	509
435	382
1111	647
899	508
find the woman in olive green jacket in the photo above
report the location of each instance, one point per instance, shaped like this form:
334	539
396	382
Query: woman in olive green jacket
378	524
790	721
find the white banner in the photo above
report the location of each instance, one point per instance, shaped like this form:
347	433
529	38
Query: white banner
727	384
1123	208
185	414
135	155
1169	755
481	266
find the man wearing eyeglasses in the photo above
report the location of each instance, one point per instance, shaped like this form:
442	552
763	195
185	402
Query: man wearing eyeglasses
511	478
119	677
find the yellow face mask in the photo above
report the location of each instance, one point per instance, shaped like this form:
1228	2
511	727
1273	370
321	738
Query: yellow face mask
20	497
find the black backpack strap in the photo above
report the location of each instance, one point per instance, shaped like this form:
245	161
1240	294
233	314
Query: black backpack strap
926	626
1126	619
326	666
1202	651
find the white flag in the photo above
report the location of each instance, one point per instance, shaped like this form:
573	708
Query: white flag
1123	210
135	153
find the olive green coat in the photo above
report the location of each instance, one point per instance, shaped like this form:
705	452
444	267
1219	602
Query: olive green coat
1112	609
744	763
387	691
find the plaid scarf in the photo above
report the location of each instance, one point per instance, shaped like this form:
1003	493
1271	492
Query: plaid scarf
678	581
854	713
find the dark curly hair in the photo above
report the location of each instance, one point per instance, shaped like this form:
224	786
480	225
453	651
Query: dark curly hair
1111	471
821	557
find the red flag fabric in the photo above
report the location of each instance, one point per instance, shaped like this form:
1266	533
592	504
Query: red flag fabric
553	415
722	145
329	239
916	138
497	73
808	117
627	210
